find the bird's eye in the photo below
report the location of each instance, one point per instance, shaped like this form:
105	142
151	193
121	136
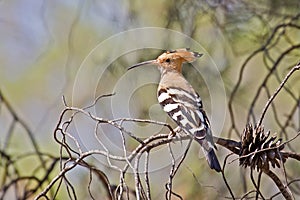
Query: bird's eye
168	60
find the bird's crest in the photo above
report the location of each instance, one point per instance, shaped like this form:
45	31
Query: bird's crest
173	59
184	54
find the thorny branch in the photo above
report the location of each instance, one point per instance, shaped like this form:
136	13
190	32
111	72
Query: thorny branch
72	156
143	191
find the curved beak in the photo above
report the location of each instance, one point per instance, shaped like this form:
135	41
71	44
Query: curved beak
142	63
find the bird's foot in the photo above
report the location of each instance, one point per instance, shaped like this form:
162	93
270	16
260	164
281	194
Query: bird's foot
175	134
172	134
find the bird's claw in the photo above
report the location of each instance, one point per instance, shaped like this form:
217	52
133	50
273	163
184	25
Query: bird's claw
171	134
175	134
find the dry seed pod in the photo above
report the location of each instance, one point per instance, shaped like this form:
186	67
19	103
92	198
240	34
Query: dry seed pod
259	149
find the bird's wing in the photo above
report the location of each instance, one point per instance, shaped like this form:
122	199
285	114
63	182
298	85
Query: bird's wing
186	110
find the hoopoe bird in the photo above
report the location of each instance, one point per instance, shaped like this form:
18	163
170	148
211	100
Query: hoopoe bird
180	101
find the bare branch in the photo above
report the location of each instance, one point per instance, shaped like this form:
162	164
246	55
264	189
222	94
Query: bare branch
297	67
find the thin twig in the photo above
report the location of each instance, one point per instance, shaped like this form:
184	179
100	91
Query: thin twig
224	177
148	192
297	67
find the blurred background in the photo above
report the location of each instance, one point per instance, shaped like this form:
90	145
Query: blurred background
82	49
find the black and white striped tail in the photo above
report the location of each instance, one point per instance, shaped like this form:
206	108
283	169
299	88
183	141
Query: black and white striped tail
213	161
210	155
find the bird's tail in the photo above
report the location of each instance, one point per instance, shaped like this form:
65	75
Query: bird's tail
210	155
212	160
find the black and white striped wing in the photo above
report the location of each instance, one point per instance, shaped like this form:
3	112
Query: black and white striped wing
186	110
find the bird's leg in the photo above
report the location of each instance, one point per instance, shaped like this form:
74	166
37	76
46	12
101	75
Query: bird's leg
173	132
176	133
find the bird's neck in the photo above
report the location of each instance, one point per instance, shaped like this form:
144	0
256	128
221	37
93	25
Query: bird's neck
167	72
173	78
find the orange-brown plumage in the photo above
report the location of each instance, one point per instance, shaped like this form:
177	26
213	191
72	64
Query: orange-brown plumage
176	58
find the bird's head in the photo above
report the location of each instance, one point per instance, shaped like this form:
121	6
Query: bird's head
171	60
